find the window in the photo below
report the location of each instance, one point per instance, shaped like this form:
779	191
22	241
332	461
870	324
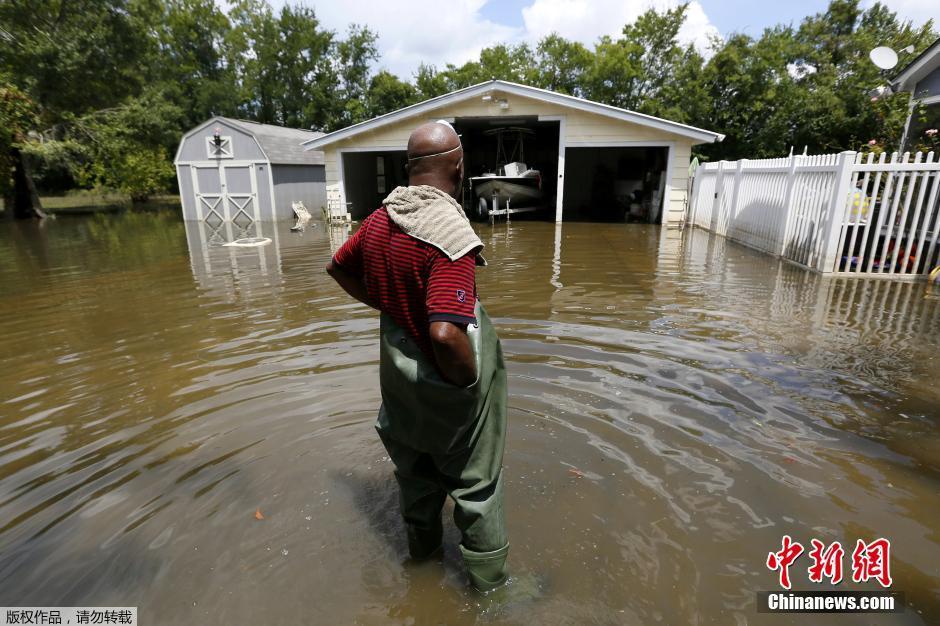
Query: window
222	150
380	174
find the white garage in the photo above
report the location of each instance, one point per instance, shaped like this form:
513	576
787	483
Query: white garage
592	161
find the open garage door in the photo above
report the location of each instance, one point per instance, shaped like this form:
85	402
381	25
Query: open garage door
615	184
520	154
368	178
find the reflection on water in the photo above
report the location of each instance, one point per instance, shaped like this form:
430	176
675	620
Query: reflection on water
158	389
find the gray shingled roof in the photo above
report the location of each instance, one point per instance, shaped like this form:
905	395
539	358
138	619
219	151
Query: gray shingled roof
282	145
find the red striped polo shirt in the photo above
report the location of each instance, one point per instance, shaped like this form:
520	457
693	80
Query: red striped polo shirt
410	280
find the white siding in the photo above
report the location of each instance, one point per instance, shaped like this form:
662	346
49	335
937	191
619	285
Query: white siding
580	128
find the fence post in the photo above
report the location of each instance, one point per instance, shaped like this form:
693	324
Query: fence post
692	201
838	203
733	209
788	205
716	200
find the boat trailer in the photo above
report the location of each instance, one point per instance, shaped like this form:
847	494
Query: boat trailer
492	211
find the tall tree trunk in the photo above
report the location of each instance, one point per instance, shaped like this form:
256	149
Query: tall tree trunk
25	199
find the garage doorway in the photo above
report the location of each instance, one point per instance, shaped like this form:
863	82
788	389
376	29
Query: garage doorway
484	149
615	184
368	178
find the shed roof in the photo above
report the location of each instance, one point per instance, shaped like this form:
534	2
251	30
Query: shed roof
282	145
924	63
699	134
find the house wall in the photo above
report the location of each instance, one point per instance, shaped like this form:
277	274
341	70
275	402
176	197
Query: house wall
244	146
294	183
929	85
580	129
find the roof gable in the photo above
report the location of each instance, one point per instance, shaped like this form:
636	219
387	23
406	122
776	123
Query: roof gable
924	63
281	145
702	135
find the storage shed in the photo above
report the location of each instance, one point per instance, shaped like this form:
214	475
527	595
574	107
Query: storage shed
240	171
618	164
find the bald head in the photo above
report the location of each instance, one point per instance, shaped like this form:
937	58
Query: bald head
435	157
432	139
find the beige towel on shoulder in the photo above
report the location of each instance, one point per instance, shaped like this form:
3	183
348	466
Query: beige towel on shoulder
429	214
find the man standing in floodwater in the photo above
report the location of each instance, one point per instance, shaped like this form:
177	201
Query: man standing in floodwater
441	370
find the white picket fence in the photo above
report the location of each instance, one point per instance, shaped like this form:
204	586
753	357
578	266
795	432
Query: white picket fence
835	213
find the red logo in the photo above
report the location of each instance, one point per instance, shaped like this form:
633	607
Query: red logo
461	295
869	561
826	563
784	559
872	561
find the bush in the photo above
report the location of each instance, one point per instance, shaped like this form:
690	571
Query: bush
139	173
143	173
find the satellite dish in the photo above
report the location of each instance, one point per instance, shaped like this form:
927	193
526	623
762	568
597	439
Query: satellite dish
884	57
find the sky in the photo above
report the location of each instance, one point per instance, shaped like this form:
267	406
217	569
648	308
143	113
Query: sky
438	32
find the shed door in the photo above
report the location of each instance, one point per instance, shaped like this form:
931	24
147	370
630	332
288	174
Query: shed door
226	192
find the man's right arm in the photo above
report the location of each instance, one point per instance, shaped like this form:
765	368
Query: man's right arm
451	301
453	352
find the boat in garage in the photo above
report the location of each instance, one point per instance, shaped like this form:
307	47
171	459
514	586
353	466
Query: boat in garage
514	184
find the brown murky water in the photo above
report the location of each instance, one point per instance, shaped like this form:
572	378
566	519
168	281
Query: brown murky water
155	391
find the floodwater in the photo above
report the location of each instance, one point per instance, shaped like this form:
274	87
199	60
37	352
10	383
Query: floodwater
677	404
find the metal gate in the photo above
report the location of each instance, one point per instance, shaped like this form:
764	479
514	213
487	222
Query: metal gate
226	192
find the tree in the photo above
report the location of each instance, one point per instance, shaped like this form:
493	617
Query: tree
747	86
836	44
632	71
429	82
388	93
189	56
561	65
683	98
501	62
254	40
305	70
125	145
807	87
71	57
354	56
17	117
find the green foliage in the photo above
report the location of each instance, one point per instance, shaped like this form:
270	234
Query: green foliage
924	131
98	92
17	116
631	72
500	62
137	173
355	55
429	82
126	145
388	93
71	57
56	163
190	56
562	65
285	66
